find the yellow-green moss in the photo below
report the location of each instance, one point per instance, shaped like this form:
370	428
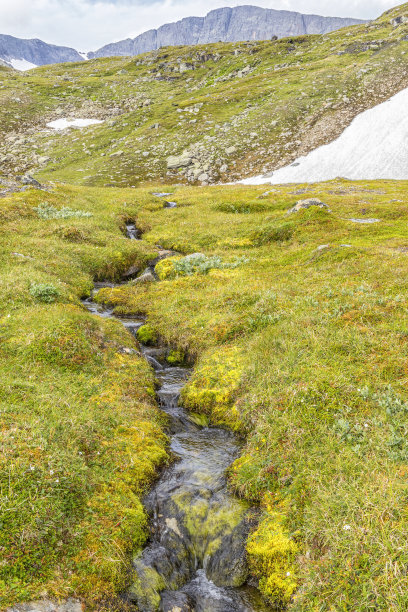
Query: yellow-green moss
165	268
146	334
176	357
271	556
213	387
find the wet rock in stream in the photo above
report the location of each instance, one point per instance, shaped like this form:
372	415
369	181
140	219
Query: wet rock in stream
196	525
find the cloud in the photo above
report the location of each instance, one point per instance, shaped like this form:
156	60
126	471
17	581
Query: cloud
88	24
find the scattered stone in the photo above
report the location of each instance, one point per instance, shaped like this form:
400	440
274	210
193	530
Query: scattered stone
230	150
322	247
305	204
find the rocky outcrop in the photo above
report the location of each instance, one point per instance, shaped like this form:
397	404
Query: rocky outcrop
227	25
35	51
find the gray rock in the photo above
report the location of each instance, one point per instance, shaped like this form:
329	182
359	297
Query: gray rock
46	605
27	179
304	204
181	161
175	602
227	25
146	277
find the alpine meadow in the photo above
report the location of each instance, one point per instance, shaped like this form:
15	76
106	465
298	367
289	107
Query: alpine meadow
204	370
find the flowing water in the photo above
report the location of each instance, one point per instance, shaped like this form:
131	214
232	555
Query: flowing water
195	558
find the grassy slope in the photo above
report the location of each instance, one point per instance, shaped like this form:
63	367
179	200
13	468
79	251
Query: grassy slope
80	440
305	351
297	94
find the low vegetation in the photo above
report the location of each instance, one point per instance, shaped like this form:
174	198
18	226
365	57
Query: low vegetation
297	324
302	351
81	434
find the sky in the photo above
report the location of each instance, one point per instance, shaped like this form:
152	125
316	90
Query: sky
88	24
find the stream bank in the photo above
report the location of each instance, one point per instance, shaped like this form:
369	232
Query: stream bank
195	560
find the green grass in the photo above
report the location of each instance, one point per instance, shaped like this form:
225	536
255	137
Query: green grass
81	434
302	350
297	325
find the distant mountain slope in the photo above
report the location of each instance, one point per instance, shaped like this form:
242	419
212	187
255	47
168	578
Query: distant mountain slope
227	25
23	54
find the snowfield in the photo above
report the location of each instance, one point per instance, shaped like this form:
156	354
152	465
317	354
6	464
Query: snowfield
374	146
62	124
21	64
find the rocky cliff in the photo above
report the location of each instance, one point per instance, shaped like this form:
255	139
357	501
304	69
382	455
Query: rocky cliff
35	51
227	25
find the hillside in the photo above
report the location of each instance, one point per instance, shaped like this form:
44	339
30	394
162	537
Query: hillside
220	112
281	307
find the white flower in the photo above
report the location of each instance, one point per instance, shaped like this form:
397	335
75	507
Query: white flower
346	527
365	424
57	480
32	468
51	472
288	574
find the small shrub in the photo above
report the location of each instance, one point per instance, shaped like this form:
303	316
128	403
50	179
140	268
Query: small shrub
72	234
48	211
241	208
196	263
272	233
44	292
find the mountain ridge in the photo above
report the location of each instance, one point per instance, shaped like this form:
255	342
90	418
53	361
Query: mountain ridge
34	51
227	25
246	22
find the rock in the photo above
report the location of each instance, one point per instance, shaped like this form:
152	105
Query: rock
131	272
203	178
46	605
27	179
304	204
230	150
224	168
146	277
399	20
117	154
175	602
181	161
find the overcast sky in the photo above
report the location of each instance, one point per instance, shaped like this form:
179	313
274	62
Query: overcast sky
88	24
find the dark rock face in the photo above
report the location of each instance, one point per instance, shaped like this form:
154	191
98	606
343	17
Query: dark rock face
227	25
35	51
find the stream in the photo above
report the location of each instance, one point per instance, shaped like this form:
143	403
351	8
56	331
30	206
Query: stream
195	558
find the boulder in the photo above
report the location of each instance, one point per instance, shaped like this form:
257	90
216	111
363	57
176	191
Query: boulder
181	161
304	204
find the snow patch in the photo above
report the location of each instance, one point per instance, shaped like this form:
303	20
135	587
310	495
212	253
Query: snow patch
62	124
373	146
83	55
21	64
